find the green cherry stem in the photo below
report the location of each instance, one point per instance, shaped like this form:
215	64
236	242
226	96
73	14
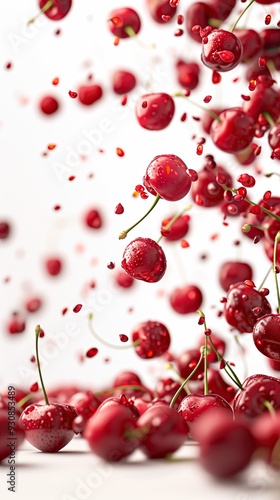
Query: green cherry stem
272	173
241	15
130	31
123	234
25	399
108	344
37	332
44	9
209	111
268	118
276	241
169	366
173	220
270	408
173	400
265	210
206	350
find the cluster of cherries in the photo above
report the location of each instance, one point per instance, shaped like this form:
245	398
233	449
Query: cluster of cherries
235	422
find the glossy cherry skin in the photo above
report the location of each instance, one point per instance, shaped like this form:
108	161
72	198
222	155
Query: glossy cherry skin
167	388
107	432
49	105
85	404
258	219
154	337
249	402
11	433
270	38
264	98
130	378
59	9
206	192
251	43
123	82
207	119
178	230
89	94
122	18
4	230
274	364
244	306
187	74
53	266
155	111
186	299
193	406
219	344
198	14
186	363
48	427
234	132
266	336
226	446
217	385
266	429
159	8
168	176
221	50
143	259
231	272
164	431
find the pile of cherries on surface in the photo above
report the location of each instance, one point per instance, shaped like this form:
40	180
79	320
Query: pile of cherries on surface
234	423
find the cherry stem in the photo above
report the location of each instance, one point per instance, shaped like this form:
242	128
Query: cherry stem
214	23
276	241
268	118
246	227
25	399
272	173
206	350
169	366
44	9
270	408
268	212
37	332
108	344
265	278
241	15
126	388
173	400
123	234
209	111
173	220
130	31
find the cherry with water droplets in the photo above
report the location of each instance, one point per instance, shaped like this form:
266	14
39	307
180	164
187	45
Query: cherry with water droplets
233	131
187	362
258	389
221	50
155	111
144	259
167	175
266	336
153	337
167	388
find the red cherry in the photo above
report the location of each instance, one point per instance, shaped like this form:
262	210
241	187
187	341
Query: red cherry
107	431
144	259
186	363
164	431
120	20
127	378
274	364
123	279
208	118
221	50
48	427
59	9
53	266
85	404
251	43
123	82
160	8
263	98
248	402
186	299
154	339
16	324
88	94
223	9
198	14
244	306
269	250
270	38
178	230
234	131
167	388
5	229
274	137
33	304
11	434
217	385
188	74
266	429
233	272
62	393
167	175
206	191
217	433
266	336
235	208
193	406
155	111
93	219
49	105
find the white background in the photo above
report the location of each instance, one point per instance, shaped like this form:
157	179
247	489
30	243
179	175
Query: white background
32	184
